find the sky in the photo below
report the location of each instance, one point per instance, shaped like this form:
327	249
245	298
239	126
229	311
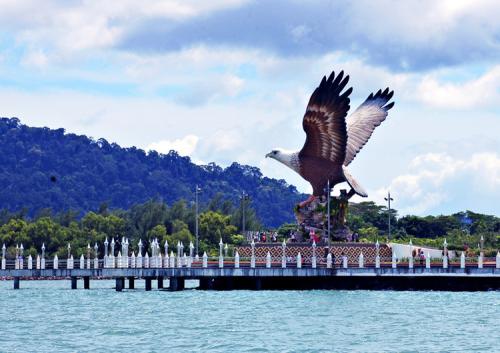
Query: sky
228	80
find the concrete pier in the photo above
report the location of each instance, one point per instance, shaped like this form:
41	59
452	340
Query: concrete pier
176	284
454	277
147	284
160	282
131	283
120	283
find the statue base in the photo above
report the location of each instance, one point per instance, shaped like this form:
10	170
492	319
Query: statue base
312	218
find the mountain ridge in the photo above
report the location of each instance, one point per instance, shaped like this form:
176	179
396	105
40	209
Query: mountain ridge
50	168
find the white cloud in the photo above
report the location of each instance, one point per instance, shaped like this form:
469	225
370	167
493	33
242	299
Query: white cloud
184	146
436	178
475	93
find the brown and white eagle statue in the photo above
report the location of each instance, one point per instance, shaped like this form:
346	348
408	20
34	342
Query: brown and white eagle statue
332	141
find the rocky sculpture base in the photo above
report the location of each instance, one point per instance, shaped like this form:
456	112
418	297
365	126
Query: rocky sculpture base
313	217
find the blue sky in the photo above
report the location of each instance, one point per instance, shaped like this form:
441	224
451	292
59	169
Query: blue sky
228	80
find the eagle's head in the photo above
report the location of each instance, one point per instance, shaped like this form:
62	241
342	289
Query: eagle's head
289	159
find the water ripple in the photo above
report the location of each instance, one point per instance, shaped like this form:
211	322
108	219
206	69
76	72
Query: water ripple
47	316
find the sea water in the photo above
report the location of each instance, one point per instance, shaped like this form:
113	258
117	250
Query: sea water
47	316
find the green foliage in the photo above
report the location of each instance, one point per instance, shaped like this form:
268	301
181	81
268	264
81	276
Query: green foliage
237	239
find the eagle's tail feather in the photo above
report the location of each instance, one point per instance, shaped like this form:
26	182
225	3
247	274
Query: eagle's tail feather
353	183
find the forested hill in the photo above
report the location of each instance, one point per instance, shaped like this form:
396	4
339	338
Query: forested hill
45	168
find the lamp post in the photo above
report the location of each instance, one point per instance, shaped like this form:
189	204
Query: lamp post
221	245
197	190
69	250
389	199
328	192
481	243
244	198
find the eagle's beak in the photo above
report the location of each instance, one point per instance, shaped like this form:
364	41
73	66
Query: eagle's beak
268	155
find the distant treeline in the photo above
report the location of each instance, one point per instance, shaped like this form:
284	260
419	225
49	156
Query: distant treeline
220	218
462	229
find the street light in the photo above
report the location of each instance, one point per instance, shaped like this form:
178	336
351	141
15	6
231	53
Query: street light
328	192
244	197
389	199
69	250
197	190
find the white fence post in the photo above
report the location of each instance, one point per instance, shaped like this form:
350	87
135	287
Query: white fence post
268	260
329	260
205	260
56	262
498	260
172	259
30	262
445	261
133	261
82	262
38	264
394	260
283	255
480	261
410	261
344	261
146	260
377	261
236	260
299	260
462	260
428	261
361	260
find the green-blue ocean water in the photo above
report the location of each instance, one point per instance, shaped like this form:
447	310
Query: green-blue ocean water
47	316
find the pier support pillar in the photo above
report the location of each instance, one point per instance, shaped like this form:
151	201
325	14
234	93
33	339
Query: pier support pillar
258	284
120	283
86	282
160	282
148	283
176	283
131	283
16	282
74	282
206	283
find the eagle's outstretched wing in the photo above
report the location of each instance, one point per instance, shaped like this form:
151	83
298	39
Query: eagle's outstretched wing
362	122
324	120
